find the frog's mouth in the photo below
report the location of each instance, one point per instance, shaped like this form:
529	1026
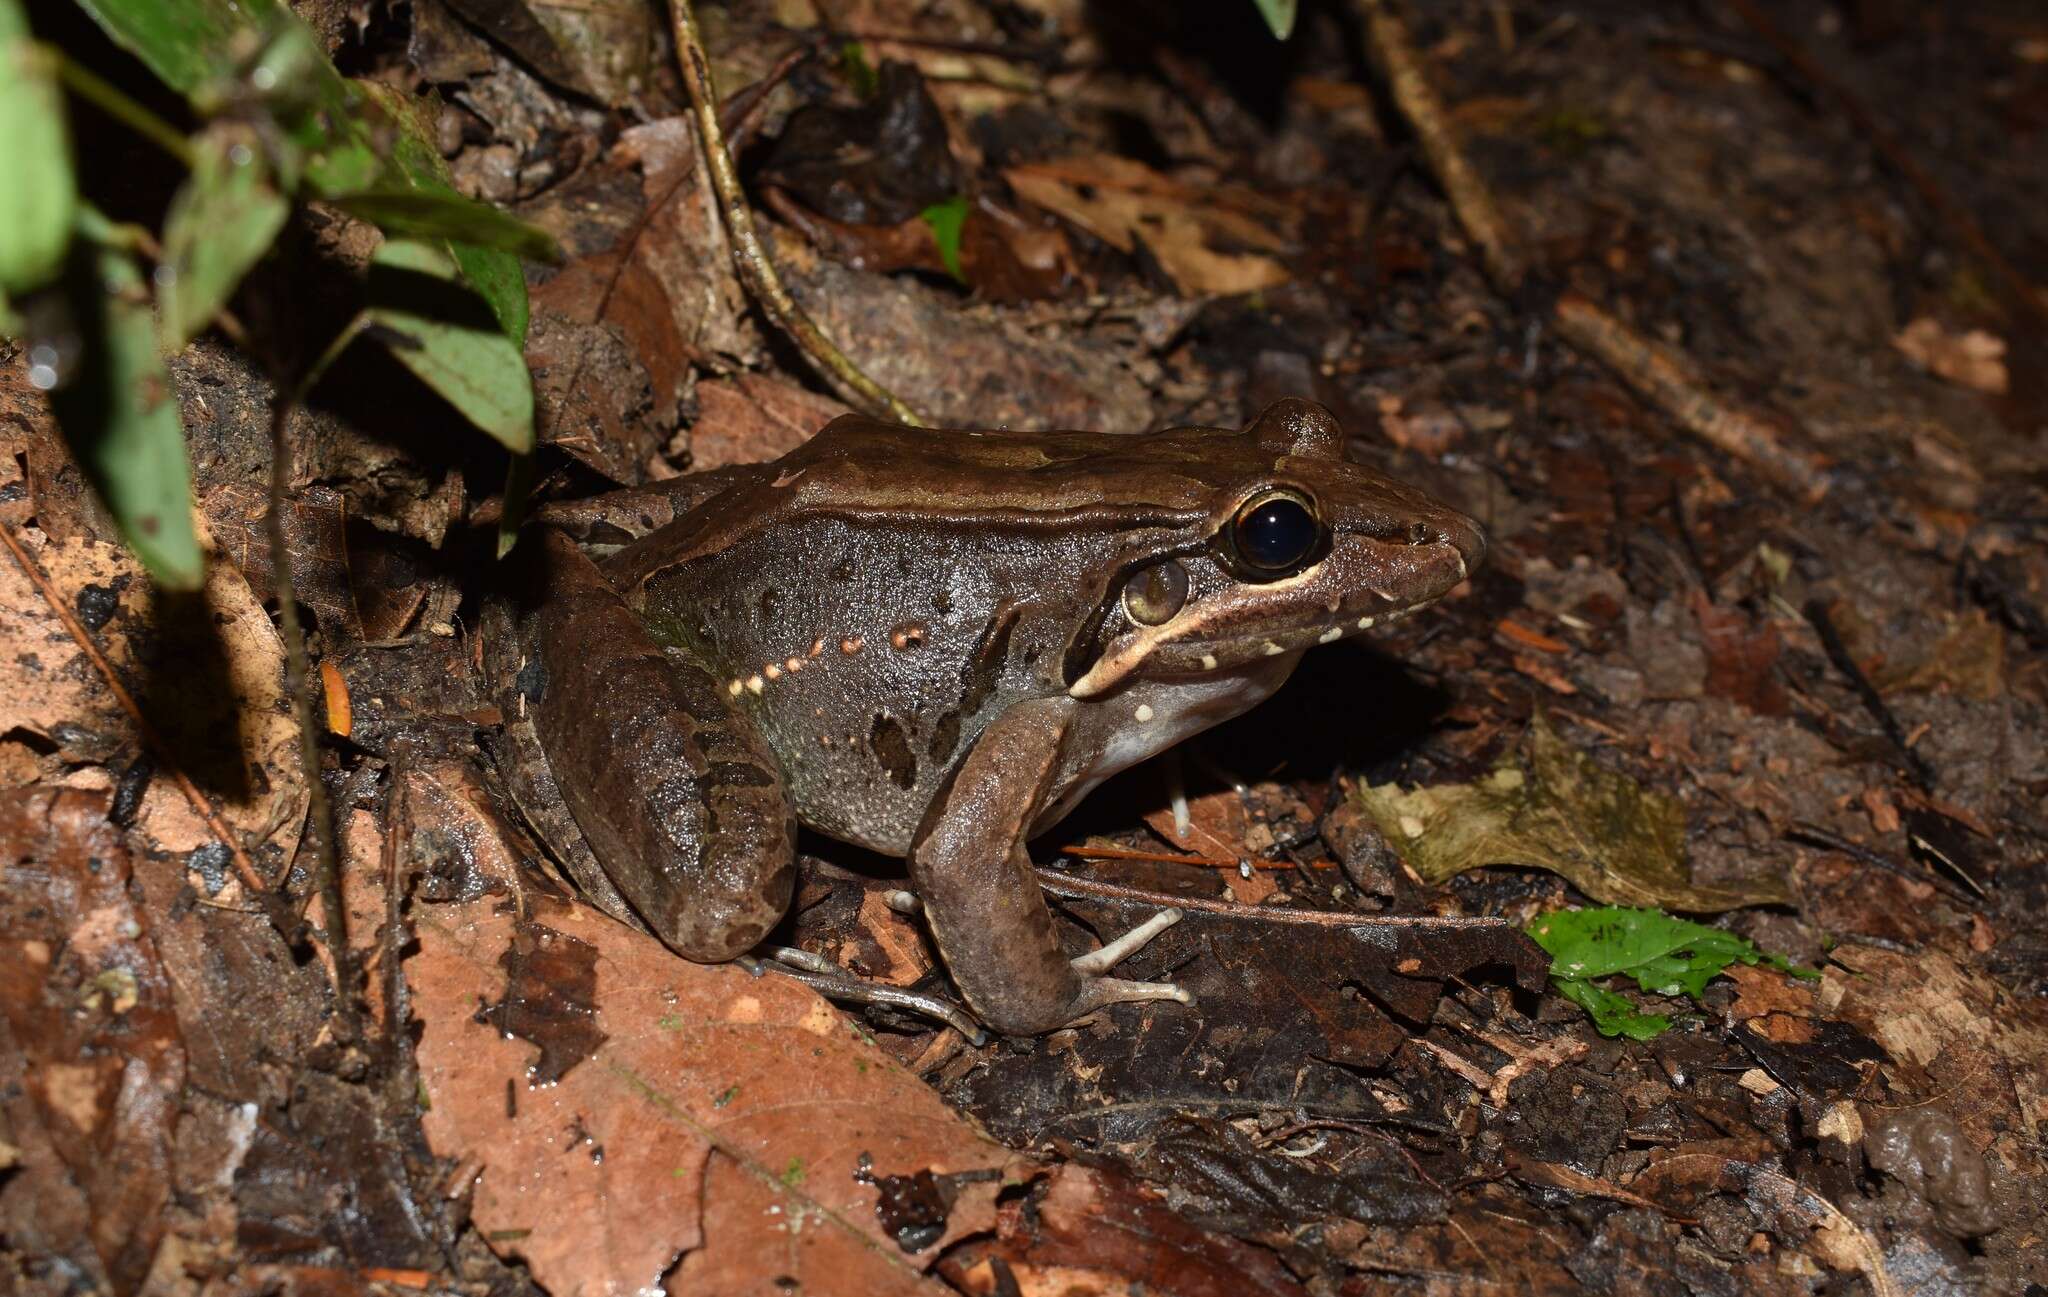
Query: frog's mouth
1360	585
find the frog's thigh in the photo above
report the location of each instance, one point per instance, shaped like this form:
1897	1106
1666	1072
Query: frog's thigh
974	876
680	797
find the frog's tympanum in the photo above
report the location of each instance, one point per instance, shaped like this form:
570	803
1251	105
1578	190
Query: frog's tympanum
933	644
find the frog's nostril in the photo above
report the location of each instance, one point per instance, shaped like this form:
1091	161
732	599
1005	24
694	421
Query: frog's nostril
1419	533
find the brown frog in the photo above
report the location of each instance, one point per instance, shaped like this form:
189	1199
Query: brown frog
933	644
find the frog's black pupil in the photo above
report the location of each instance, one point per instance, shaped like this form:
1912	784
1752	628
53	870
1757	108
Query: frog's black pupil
1276	534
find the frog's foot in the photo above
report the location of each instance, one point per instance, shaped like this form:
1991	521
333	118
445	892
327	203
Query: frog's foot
835	983
1098	991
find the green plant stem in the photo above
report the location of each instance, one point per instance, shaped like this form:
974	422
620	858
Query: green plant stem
103	95
756	270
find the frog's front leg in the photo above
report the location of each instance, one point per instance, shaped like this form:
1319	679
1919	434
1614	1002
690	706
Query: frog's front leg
986	912
679	796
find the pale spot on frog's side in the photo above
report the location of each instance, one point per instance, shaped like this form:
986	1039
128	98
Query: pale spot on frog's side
1331	635
1208	661
851	645
755	684
1365	623
908	635
1272	650
1144	713
772	671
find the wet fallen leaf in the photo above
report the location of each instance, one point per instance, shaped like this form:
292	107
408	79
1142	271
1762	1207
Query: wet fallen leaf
88	1006
1553	807
1207	238
672	1110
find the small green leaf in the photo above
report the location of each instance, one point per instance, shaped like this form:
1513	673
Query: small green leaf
1614	1015
495	275
860	73
448	336
39	194
418	213
118	409
221	222
1665	955
947	219
1279	15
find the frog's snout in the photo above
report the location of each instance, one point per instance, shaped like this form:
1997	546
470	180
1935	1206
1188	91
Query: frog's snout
1449	527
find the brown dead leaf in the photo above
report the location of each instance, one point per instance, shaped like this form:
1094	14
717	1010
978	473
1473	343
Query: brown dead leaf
699	1112
1761	991
601	48
1969	659
87	1004
1971	358
752	418
1092	1231
1210	239
1742	657
207	670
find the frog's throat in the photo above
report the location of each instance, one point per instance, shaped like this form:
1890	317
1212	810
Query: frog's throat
1134	650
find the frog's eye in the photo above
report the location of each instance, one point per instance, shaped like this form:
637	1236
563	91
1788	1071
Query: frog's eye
1275	531
1154	595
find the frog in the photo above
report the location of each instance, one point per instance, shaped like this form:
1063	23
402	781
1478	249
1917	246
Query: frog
932	644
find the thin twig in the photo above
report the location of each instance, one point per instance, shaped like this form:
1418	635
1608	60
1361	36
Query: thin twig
1393	52
756	270
1060	884
1668	379
245	869
320	811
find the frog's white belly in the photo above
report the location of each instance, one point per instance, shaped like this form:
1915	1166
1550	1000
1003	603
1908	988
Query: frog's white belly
1111	734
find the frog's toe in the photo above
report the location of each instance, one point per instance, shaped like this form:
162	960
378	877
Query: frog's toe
1113	953
1100	992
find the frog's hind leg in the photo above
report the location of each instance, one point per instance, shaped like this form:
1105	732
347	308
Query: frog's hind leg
680	797
986	911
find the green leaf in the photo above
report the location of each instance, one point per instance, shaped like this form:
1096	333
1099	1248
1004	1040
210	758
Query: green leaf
39	194
494	274
519	479
1665	956
118	409
228	56
1549	805
185	42
860	73
448	336
947	219
221	222
1279	15
420	213
1614	1015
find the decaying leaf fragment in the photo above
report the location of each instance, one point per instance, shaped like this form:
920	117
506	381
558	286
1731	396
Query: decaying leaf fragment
1208	239
1548	805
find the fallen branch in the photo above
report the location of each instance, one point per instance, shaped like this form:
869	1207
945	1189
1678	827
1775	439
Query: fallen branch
756	270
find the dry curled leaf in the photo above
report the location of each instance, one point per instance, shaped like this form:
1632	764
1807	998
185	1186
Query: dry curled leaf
1551	806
